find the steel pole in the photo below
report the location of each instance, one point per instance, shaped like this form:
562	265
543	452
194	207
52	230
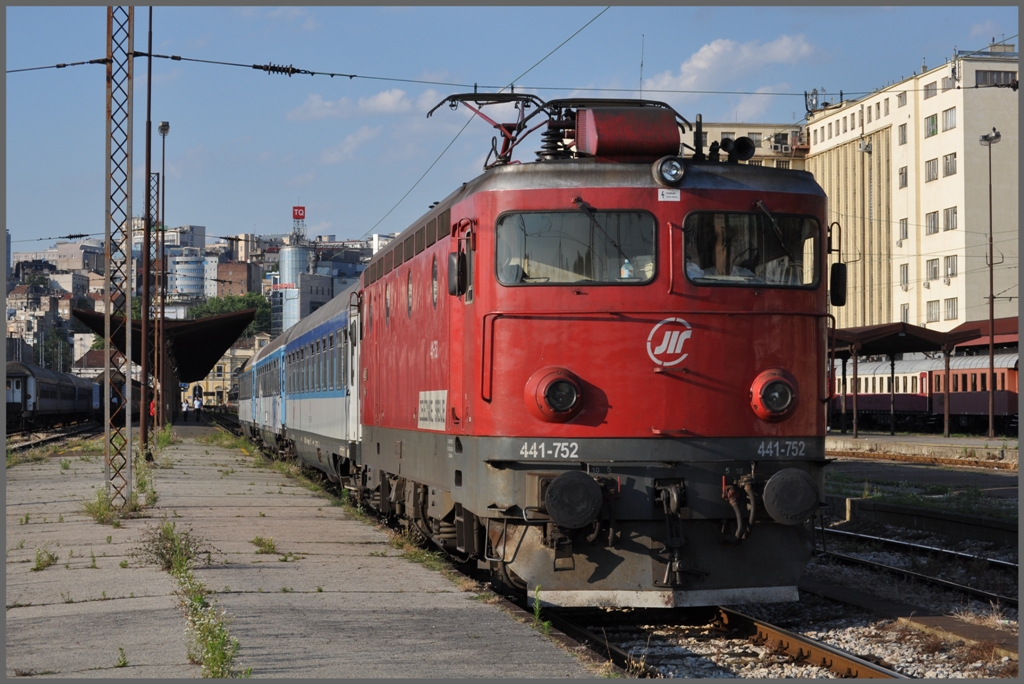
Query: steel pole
991	309
146	392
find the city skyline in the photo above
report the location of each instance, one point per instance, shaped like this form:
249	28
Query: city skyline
245	146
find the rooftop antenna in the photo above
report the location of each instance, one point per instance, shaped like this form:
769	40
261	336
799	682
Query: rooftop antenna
641	66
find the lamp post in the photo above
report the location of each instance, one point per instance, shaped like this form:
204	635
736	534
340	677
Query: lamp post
164	129
988	140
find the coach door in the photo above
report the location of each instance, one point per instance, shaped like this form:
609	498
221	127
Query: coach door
461	348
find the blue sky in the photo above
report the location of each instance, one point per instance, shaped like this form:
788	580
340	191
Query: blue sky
245	146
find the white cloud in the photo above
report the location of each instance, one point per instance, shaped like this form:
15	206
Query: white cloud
752	107
724	61
986	28
345	150
301	179
388	102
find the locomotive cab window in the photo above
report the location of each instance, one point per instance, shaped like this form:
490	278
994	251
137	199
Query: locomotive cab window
570	247
751	249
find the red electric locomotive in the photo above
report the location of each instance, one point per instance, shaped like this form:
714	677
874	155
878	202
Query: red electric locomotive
603	373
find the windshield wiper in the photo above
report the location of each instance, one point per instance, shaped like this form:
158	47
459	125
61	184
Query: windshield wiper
585	208
775	227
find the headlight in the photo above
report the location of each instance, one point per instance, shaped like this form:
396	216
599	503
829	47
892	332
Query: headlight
777	396
554	395
561	396
669	171
773	394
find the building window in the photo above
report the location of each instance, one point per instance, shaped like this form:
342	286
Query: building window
905	316
844	124
903	229
869	113
932	269
878	110
987	78
947	83
932	312
949	164
901	134
704	139
949	118
951	309
931	170
904	274
830	131
755	138
730	135
950	266
861	117
901	99
931	125
930	90
886	108
815	135
931	223
949	219
781	139
781	164
903	176
756	162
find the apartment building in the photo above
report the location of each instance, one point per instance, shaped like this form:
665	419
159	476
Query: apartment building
782	146
908	182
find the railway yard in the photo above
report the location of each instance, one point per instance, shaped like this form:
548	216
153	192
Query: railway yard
310	588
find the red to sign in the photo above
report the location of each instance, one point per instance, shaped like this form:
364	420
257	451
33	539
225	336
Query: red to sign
298	213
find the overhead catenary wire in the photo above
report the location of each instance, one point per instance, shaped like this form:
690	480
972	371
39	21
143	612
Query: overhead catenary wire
468	121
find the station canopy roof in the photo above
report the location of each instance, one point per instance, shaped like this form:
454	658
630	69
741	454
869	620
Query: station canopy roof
193	347
890	339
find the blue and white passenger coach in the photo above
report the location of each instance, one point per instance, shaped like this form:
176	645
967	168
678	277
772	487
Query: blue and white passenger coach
298	395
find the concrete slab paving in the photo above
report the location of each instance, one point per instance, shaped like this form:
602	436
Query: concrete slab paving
333	600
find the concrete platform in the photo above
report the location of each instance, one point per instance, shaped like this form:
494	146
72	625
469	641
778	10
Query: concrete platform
998	452
334	601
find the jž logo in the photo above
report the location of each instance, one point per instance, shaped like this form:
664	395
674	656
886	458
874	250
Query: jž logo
665	343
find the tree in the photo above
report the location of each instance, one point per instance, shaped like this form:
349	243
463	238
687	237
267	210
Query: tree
56	351
231	303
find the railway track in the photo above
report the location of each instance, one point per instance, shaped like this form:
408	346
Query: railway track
649	643
919	551
36	439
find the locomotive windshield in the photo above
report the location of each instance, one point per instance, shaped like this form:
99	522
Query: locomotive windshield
556	247
751	249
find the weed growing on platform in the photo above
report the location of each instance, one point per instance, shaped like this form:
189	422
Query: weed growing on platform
164	438
122	659
44	559
27	456
222	438
543	625
264	545
169	548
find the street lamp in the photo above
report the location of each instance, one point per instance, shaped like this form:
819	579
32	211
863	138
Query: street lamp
164	129
988	140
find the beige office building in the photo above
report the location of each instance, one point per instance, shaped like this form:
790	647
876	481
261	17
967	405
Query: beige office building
908	182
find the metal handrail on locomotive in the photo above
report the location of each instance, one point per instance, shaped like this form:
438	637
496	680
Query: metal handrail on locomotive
602	374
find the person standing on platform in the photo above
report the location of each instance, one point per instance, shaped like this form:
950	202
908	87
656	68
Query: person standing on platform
184	410
198	406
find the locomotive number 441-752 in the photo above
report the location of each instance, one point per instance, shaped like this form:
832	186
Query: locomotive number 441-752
552	450
787	449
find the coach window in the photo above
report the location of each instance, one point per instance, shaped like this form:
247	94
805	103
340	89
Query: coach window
331	362
572	247
387	305
324	360
755	248
433	282
409	294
